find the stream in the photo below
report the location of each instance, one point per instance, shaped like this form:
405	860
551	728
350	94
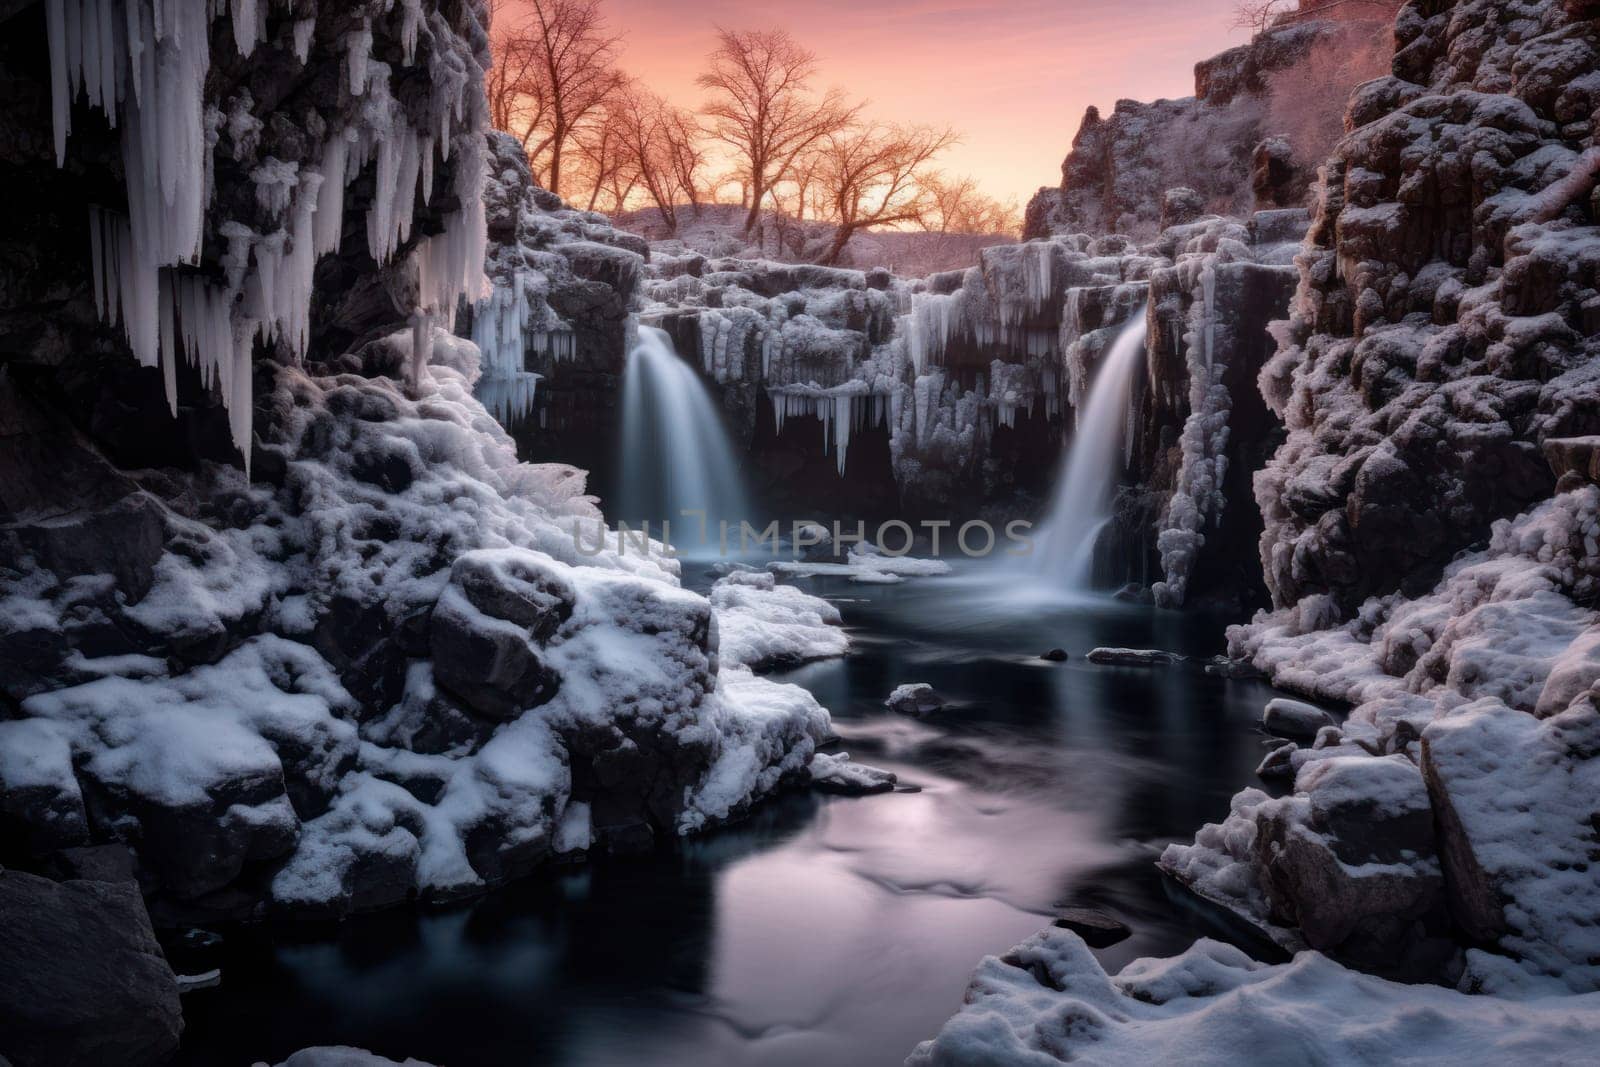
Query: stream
822	929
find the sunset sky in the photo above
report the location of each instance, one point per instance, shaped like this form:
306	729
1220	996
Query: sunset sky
1013	75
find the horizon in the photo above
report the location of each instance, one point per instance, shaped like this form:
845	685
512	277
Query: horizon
1039	65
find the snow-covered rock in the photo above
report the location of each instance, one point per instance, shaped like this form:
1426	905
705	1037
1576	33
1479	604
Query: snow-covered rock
1131	657
377	663
836	774
1294	718
1049	1001
914	698
1436	377
764	624
1124	166
343	1056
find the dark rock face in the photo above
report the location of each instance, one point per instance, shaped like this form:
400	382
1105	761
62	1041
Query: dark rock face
1416	415
82	980
1277	178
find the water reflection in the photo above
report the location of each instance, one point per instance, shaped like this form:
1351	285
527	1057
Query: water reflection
822	929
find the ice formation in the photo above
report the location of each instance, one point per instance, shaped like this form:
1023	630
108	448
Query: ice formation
144	65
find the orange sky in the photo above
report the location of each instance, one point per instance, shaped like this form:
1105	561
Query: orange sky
1013	76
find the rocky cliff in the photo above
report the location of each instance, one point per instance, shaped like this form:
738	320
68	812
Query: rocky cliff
1430	521
1227	146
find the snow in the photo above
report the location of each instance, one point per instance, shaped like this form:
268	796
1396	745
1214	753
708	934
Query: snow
766	732
342	1056
1049	1001
864	564
1523	790
172	740
763	623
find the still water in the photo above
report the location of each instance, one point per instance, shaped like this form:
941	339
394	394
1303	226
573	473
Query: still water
827	930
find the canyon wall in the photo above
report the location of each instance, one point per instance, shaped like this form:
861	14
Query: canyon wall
1431	523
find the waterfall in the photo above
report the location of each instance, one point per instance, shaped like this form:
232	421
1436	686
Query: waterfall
676	455
1064	542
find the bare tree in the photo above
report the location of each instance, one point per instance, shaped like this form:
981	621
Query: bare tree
957	205
1259	15
518	103
873	174
686	154
573	74
663	147
602	158
762	109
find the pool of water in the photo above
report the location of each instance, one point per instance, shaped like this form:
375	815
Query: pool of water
823	929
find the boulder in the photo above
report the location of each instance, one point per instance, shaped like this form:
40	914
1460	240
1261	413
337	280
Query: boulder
1574	672
1277	765
836	774
1055	655
1515	801
1350	861
1294	719
916	698
82	979
1579	456
489	626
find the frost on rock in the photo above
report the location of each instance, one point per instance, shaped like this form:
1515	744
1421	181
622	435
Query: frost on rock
541	256
1049	1001
1425	563
441	681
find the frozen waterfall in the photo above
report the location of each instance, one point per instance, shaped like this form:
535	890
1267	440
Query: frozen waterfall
1064	544
676	456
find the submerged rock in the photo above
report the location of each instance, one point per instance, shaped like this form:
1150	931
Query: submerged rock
1099	929
344	1056
1055	655
1132	657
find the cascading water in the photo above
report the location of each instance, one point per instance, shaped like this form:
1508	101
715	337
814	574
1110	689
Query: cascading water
1064	543
676	456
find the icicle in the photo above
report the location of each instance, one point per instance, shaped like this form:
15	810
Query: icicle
411	22
244	25
421	345
843	411
358	55
329	226
304	30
